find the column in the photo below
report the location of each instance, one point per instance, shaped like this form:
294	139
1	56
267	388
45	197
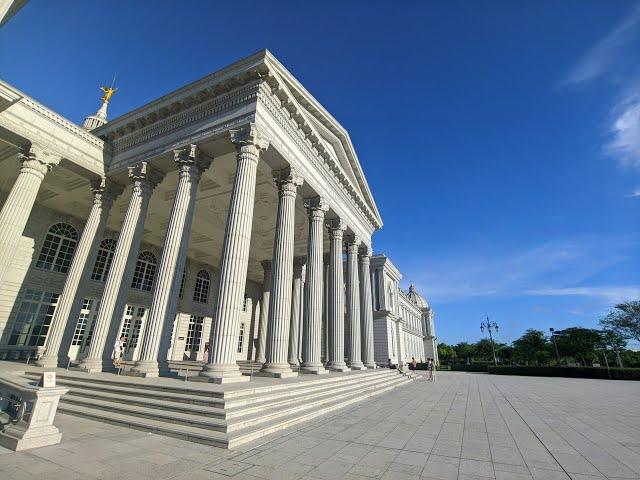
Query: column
144	179
276	364
325	308
366	309
294	328
70	301
223	340
264	310
36	162
313	290
336	298
353	304
153	359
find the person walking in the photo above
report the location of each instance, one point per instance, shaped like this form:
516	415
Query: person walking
430	369
414	364
118	352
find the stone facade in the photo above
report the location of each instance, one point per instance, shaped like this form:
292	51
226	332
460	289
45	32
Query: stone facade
403	321
219	214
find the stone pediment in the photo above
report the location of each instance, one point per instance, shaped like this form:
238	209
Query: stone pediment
238	85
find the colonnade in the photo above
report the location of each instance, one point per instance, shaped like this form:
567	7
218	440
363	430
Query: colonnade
282	313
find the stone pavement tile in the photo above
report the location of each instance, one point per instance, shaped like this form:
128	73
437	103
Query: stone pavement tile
574	463
476	451
513	476
228	467
447	449
404	468
579	476
291	471
508	468
392	475
412	458
442	468
475	467
368	471
508	455
544	474
500	439
420	443
330	469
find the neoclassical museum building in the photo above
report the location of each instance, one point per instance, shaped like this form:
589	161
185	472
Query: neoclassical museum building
228	221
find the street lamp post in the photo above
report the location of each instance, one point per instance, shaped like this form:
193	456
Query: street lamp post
553	337
490	326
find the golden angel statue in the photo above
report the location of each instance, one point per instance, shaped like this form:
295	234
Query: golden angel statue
108	93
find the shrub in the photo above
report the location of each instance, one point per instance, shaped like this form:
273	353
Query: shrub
572	372
474	367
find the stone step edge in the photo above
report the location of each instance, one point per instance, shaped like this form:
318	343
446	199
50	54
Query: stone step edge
260	418
206	410
189	419
183	432
235	410
241	438
258	399
128	391
196	418
199	435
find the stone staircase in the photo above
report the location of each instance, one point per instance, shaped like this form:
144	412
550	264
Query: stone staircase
224	418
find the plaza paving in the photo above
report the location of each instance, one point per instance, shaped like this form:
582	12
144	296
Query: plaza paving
465	426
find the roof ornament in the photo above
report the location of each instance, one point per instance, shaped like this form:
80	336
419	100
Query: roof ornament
100	117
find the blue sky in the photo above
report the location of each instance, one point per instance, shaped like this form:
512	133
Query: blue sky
501	139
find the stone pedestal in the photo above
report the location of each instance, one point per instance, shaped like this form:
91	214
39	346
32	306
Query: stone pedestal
276	361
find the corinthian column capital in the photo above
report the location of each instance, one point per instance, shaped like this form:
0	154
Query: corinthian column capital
145	175
288	180
191	160
353	244
105	191
249	136
317	207
336	228
38	160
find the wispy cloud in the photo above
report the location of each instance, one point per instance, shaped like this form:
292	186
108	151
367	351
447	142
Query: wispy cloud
567	265
606	54
615	59
610	294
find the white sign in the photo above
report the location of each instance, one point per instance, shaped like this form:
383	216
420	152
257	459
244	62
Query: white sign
48	379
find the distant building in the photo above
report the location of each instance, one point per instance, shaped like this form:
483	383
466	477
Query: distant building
402	322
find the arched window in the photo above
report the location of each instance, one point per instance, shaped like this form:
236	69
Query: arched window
201	292
145	271
184	276
103	260
57	250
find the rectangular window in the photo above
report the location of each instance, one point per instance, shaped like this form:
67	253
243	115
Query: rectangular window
83	319
194	333
33	318
241	338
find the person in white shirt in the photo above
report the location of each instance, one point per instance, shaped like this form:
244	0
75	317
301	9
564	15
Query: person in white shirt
118	351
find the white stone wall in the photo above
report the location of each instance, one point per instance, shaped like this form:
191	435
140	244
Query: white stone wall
24	275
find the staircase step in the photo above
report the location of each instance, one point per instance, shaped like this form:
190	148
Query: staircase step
183	432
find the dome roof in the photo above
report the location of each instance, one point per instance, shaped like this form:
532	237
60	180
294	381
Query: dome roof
416	298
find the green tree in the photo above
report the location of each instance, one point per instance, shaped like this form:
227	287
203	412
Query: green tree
612	341
579	343
465	352
446	353
531	348
624	319
484	351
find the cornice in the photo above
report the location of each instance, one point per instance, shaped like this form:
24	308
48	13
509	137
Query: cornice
312	148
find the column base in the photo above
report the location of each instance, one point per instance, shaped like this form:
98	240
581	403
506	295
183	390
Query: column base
277	370
48	361
313	369
92	365
338	367
370	365
221	373
147	369
357	366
